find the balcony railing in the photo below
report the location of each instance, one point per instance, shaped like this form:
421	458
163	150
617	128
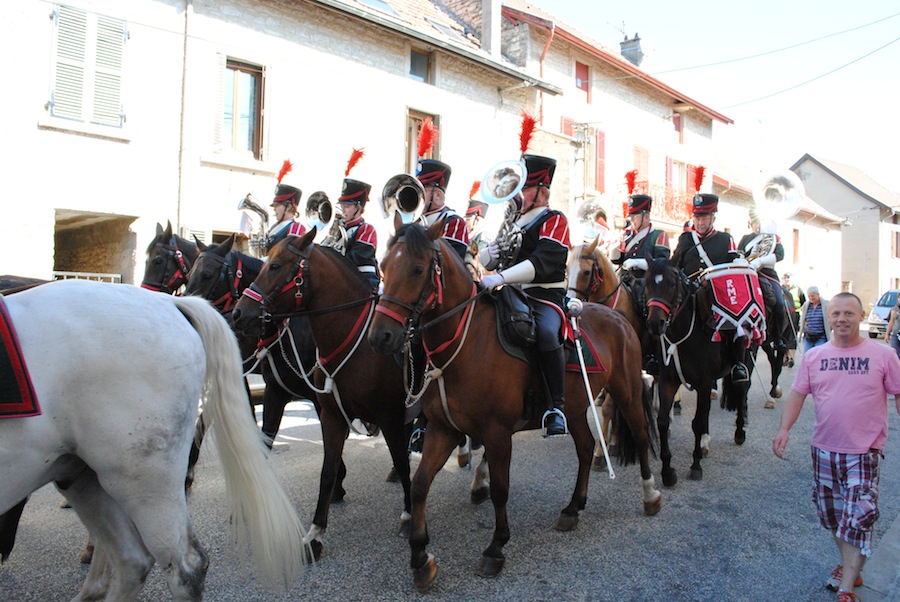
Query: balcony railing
95	276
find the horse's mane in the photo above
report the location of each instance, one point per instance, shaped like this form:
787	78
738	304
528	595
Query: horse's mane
419	243
254	264
346	261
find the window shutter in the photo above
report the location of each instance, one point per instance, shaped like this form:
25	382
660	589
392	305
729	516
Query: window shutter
600	158
567	126
108	77
218	111
67	98
669	172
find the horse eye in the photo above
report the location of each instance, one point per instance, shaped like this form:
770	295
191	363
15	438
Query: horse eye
419	270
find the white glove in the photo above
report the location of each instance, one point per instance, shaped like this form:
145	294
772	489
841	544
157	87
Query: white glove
575	306
755	263
492	281
494	250
635	263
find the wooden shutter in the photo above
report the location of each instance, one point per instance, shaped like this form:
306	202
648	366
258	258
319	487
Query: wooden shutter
67	98
108	75
669	172
600	161
567	126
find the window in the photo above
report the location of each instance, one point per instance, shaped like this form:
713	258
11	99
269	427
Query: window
88	53
642	163
414	120
677	175
583	79
420	66
242	109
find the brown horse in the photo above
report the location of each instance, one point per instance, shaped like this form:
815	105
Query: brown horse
481	389
352	380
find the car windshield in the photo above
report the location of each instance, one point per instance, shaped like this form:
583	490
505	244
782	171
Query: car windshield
889	299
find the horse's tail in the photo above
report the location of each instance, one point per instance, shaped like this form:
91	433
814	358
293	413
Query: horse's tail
261	516
629	451
733	395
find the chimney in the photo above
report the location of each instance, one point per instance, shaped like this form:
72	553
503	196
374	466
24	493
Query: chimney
490	26
631	50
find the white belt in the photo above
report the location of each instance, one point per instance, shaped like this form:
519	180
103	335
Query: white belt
367	269
561	285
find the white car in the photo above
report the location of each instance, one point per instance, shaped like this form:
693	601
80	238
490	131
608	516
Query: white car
879	315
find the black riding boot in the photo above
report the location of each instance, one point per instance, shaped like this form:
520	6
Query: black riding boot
553	365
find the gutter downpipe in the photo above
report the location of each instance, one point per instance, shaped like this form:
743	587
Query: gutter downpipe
552	31
188	8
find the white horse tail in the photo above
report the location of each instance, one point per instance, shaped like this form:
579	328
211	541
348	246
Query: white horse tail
261	516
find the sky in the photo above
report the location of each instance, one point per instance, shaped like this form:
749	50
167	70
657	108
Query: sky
796	76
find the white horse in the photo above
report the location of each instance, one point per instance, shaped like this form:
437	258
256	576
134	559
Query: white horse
118	372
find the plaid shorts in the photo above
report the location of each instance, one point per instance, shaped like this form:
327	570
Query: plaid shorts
845	492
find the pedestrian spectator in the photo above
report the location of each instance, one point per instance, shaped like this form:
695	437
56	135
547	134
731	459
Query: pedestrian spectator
815	328
892	334
798	299
849	379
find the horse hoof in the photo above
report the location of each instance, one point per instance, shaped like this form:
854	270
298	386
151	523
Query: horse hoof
704	451
651	508
740	437
676	409
489	566
566	522
337	496
776	392
403	531
669	477
87	555
696	474
313	552
599	464
769	405
392	476
463	460
480	495
425	575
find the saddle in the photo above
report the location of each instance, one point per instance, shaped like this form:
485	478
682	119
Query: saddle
17	396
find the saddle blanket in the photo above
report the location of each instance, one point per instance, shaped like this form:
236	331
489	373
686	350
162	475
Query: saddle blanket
737	302
17	398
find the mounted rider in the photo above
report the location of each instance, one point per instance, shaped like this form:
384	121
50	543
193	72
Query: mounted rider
704	247
434	176
353	237
475	215
641	244
538	265
285	203
763	249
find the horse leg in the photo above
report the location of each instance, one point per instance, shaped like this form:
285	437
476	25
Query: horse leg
123	562
584	447
666	391
437	448
274	400
196	442
464	453
500	452
334	434
479	488
393	430
700	426
607	411
776	360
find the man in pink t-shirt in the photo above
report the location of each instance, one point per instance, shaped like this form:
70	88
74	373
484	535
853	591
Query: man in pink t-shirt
849	378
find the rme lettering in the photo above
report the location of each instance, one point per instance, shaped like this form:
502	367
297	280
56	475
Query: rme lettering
731	290
855	364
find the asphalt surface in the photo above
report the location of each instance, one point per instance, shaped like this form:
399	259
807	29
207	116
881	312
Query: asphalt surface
747	531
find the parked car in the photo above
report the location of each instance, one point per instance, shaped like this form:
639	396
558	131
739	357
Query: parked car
879	315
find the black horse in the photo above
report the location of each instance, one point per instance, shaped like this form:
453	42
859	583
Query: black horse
773	352
680	315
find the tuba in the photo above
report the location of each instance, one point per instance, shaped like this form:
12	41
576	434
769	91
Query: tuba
319	214
502	184
405	194
778	197
258	239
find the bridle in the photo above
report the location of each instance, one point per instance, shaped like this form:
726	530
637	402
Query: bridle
179	276
229	277
594	281
670	309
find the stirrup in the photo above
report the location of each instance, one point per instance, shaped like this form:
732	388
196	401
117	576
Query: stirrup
416	439
740	374
545	430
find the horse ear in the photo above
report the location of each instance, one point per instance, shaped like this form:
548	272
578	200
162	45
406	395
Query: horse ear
200	246
228	244
159	229
308	238
398	221
437	228
593	246
168	232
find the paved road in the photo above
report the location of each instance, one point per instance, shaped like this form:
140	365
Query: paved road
746	532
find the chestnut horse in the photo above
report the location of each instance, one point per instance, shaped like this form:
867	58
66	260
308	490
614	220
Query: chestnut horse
352	380
428	290
679	316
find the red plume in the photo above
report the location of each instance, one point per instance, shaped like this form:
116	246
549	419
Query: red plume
476	185
528	123
285	168
355	156
697	177
625	209
630	177
427	135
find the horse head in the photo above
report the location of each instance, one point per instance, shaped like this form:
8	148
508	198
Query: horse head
414	283
591	275
665	291
221	274
279	289
169	259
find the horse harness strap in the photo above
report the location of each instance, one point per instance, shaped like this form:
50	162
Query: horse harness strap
430	298
181	271
231	275
670	348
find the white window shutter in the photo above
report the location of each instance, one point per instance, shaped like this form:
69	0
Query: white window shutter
67	100
108	76
218	111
